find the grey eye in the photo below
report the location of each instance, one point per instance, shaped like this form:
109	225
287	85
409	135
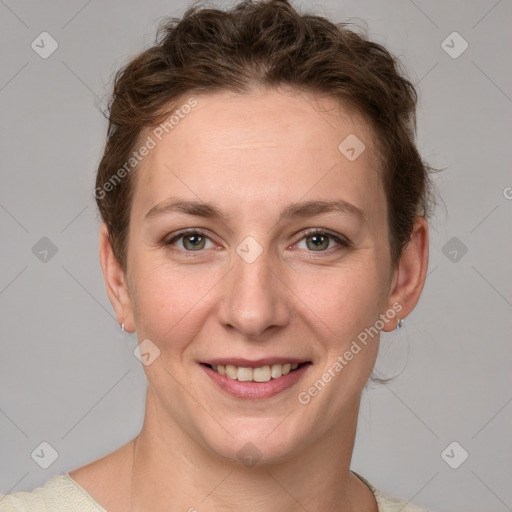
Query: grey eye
191	241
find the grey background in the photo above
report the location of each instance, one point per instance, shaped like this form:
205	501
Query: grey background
69	376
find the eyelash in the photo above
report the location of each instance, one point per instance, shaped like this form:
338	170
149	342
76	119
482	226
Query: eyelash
342	242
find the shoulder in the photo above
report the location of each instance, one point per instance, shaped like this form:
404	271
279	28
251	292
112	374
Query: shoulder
387	504
59	492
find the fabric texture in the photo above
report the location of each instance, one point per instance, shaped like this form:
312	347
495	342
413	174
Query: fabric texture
62	494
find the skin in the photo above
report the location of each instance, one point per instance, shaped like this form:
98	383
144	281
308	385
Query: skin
252	155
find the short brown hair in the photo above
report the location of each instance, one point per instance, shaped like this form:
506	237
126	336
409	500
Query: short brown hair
265	43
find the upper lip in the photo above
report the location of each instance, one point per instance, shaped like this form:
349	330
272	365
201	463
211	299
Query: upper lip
256	363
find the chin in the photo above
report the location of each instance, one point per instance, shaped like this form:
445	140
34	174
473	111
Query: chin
256	441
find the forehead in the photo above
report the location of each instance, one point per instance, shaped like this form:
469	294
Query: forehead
260	147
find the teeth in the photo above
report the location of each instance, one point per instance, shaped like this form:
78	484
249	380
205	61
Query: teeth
231	371
261	374
276	371
244	374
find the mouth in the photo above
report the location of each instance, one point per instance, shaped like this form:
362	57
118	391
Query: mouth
262	373
255	379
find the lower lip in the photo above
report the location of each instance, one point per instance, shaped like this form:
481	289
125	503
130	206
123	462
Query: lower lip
256	390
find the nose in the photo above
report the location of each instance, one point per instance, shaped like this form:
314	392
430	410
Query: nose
255	300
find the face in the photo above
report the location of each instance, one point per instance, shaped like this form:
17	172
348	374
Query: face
253	270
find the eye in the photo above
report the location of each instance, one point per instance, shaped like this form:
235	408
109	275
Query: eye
316	240
192	240
320	241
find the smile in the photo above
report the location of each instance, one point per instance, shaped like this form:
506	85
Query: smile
255	379
260	374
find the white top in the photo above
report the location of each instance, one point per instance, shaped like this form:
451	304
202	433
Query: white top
62	494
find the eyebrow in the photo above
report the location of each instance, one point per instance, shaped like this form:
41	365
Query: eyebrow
293	210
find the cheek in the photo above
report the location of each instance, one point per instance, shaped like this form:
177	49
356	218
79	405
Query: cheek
344	300
349	305
168	302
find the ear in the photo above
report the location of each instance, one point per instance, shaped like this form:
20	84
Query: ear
115	282
411	272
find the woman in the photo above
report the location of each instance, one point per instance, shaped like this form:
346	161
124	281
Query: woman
264	218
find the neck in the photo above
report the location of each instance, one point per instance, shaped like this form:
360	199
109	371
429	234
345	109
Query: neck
171	468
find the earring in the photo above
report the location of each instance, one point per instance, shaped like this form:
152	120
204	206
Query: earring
400	323
122	327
